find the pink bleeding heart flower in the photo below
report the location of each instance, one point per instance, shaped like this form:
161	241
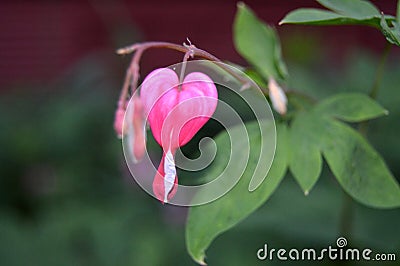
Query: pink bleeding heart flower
175	112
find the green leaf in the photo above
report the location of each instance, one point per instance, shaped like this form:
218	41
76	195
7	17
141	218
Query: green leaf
392	34
351	107
347	12
305	160
258	44
359	169
313	16
356	9
207	221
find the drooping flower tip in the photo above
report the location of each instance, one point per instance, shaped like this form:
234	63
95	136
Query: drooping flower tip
119	121
165	182
277	96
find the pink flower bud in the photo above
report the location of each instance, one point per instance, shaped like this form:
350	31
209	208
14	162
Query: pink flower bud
277	96
139	128
119	119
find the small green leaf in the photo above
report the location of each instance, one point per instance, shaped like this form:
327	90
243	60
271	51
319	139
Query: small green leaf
359	169
305	160
207	221
392	34
347	12
313	16
351	107
356	9
258	44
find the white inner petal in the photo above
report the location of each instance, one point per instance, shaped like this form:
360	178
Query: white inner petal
170	174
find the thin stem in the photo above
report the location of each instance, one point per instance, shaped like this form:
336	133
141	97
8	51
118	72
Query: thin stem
173	46
131	78
363	126
182	48
134	68
347	209
346	216
124	91
183	66
379	72
300	94
264	91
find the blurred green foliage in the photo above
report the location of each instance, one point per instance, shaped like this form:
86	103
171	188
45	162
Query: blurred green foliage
66	195
68	199
316	131
348	12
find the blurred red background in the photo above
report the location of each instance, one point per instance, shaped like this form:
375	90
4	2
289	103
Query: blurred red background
41	39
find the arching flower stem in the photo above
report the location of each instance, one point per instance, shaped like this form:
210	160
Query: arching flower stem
132	75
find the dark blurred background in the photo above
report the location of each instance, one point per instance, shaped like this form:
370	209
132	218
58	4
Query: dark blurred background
66	196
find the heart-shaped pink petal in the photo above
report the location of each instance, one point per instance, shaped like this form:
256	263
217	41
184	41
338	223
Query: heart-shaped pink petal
180	112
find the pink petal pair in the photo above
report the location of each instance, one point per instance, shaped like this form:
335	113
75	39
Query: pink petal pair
175	112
